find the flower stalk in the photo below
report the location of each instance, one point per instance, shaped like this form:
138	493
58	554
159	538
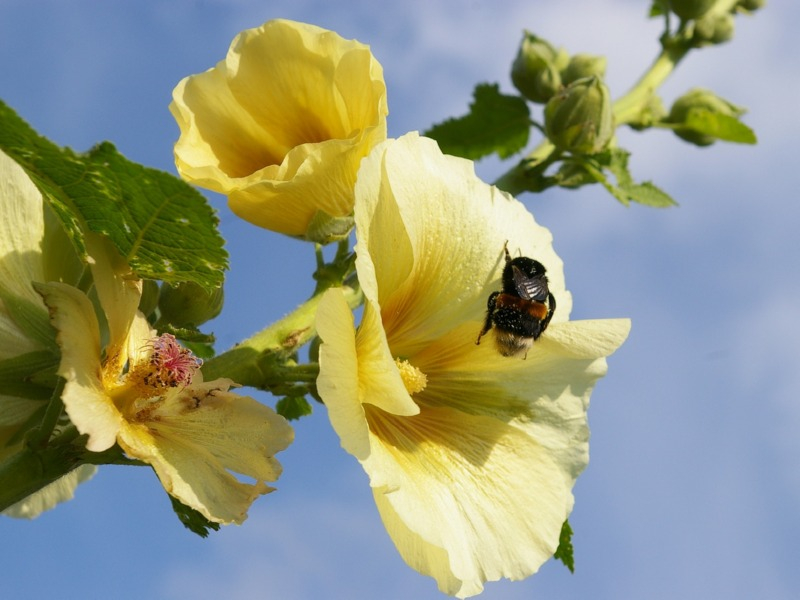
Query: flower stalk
265	360
626	109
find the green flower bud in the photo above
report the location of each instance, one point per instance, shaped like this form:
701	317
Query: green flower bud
713	29
187	303
580	118
690	9
699	99
651	113
583	65
324	229
749	6
536	69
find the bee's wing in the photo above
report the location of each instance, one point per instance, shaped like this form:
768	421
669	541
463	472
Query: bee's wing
530	288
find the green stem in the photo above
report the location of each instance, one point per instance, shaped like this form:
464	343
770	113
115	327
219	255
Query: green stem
516	180
256	361
626	110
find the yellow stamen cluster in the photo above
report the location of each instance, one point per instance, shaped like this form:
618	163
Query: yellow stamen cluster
414	379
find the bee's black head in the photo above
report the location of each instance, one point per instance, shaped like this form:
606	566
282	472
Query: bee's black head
525	267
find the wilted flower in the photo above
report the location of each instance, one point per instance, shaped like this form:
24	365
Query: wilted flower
281	124
471	455
147	394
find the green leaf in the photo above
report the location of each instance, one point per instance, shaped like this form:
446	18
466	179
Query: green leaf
595	165
723	127
191	519
163	227
496	123
572	174
292	408
657	9
648	194
626	190
616	161
565	551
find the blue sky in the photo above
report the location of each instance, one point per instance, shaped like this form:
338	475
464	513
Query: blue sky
693	486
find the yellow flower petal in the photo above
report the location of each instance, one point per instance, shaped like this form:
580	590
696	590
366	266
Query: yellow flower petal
119	291
477	484
445	218
588	338
466	498
50	496
197	483
282	123
338	379
197	435
85	398
380	382
140	333
21	236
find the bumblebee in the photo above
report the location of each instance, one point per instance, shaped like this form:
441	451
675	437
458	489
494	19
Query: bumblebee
522	311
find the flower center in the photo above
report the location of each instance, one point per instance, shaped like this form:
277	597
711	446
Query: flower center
414	379
169	365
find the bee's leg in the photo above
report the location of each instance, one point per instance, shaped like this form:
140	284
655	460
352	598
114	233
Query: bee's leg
487	325
551	301
508	254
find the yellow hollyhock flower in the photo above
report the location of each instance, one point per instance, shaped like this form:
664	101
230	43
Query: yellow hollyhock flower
281	124
21	236
31	249
147	394
471	455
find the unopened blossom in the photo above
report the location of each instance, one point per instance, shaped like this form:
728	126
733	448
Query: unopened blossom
281	124
471	455
146	393
32	249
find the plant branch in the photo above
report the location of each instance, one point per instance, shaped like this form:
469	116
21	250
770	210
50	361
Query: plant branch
256	361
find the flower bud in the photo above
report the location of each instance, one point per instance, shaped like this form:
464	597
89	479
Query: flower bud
536	69
690	9
699	99
324	229
584	65
713	29
187	303
652	112
579	118
750	5
149	300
